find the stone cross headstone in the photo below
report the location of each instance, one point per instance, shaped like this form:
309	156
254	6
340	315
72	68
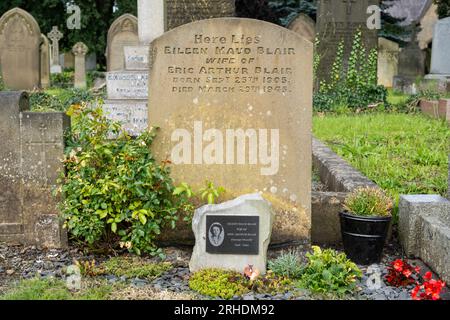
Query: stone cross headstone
55	35
32	150
339	20
20	40
304	26
80	50
122	33
232	235
440	62
45	63
179	12
388	52
233	101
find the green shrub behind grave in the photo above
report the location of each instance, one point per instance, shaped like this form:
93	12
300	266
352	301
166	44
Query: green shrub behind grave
114	191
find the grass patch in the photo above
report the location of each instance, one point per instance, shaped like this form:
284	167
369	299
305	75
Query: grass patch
402	153
134	267
55	289
396	97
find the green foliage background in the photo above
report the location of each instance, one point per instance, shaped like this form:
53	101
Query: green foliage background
443	8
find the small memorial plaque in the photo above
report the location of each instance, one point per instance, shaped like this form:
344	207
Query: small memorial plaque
232	235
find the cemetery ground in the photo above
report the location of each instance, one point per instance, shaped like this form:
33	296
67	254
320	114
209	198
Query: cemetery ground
388	146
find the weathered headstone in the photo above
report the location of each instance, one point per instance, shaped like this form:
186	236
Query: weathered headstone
388	52
339	20
440	62
233	234
55	35
233	100
31	149
123	32
20	39
45	63
151	20
411	67
304	26
80	50
179	12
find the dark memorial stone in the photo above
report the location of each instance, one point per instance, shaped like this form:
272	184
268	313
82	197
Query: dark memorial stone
232	235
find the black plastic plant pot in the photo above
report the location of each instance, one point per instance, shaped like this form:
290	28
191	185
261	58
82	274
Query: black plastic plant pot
364	237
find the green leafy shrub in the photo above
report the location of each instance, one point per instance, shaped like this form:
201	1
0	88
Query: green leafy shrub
227	284
41	101
58	99
328	271
114	190
287	265
354	85
133	267
64	79
2	84
368	202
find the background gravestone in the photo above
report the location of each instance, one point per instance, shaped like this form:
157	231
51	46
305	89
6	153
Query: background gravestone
179	12
339	20
55	35
388	52
80	50
31	150
123	32
45	63
440	62
304	26
258	84
20	39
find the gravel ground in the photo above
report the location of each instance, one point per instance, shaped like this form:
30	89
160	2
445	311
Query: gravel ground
24	263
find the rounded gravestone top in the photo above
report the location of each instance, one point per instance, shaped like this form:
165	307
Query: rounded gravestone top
304	26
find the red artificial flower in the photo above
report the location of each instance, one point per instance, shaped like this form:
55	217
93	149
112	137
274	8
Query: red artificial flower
407	273
398	265
428	276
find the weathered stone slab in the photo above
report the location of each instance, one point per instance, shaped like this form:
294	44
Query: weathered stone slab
440	63
233	234
133	114
136	58
122	33
233	98
304	26
31	153
424	229
20	39
179	12
127	85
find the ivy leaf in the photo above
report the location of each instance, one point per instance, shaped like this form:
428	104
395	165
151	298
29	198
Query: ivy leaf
114	227
142	218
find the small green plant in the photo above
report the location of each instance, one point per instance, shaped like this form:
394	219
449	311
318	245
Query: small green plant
218	283
64	79
368	202
55	289
227	284
328	271
188	197
87	268
133	267
211	193
287	265
2	84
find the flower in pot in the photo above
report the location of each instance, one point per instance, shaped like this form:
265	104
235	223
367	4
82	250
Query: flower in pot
365	224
